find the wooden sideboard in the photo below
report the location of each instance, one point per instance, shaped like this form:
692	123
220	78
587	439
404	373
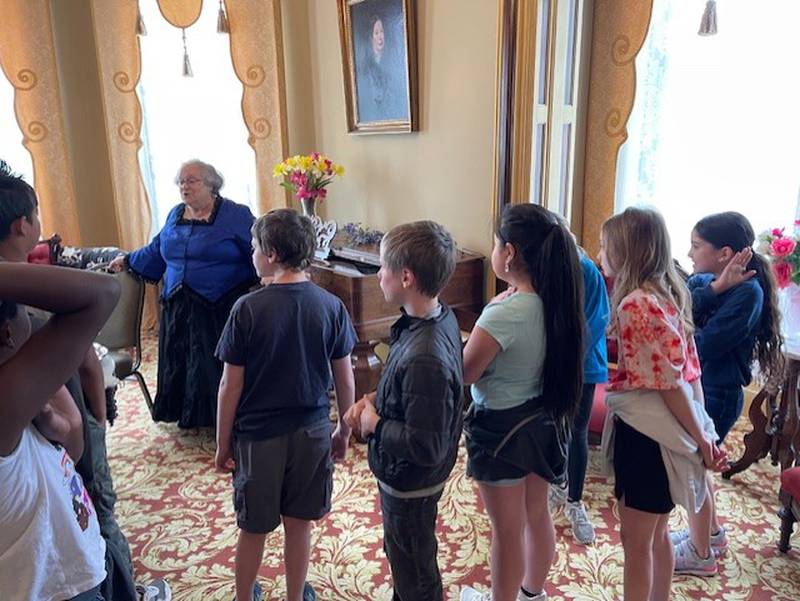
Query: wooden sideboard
357	285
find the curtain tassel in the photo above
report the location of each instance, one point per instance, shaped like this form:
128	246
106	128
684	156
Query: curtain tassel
187	66
222	20
708	24
140	28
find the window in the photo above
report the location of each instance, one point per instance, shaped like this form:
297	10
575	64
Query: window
11	150
715	125
558	48
191	117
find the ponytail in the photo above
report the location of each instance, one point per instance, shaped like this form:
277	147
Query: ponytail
551	259
769	340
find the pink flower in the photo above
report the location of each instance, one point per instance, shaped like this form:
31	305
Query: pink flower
314	156
303	192
783	273
322	193
782	247
797	221
778	232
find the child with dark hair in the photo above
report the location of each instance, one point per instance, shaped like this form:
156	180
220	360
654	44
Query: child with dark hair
279	346
737	324
413	420
50	543
524	360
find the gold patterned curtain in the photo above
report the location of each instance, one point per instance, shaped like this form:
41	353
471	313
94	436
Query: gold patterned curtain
119	64
27	57
619	31
257	54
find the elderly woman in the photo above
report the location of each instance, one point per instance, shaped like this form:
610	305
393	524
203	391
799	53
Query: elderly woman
203	253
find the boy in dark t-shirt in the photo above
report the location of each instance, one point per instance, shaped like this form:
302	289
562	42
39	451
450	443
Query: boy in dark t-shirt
280	346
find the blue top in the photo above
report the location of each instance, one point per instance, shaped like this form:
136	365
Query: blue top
515	374
285	336
596	313
211	257
725	330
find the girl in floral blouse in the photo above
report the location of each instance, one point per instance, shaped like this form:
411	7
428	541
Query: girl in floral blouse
657	436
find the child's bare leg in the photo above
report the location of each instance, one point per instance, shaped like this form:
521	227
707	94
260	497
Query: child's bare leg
700	526
506	508
540	536
663	561
296	550
637	529
249	551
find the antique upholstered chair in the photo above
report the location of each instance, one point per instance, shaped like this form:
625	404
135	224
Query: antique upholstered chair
790	501
122	333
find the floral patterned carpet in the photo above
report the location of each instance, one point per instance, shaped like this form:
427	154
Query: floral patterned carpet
178	516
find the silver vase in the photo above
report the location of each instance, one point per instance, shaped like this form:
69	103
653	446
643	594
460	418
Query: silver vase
309	207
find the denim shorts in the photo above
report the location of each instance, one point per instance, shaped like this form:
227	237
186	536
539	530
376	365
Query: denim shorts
289	475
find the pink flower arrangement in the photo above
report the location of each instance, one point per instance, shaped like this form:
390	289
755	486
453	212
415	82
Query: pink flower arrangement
784	253
308	175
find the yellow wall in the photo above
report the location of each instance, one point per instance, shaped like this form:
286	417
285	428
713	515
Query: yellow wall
444	171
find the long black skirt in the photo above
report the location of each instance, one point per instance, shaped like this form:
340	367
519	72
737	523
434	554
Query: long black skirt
188	371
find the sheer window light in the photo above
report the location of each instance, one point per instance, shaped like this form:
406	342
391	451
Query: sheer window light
715	125
11	149
197	117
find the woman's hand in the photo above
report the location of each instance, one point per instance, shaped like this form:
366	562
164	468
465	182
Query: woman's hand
735	272
117	265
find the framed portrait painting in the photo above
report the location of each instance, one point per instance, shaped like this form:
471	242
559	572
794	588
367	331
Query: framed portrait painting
379	58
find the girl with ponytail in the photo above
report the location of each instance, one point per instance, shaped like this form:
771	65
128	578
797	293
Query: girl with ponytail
737	324
524	360
735	313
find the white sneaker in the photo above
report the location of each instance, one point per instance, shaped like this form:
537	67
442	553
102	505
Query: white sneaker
582	528
470	594
158	590
556	497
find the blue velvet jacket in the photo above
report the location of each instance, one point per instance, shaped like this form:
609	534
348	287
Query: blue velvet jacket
725	330
210	257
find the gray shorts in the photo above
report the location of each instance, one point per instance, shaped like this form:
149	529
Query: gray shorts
289	475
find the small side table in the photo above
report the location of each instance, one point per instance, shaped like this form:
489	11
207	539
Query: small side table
774	418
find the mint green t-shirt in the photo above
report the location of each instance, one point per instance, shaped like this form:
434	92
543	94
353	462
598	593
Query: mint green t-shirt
515	374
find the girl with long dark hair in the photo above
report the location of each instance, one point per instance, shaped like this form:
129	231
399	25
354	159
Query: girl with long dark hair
524	360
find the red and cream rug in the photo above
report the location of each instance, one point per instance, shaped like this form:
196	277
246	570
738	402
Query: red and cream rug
178	516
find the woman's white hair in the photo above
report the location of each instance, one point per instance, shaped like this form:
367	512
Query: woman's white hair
212	178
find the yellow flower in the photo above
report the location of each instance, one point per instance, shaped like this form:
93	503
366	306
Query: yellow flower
304	163
338	170
278	170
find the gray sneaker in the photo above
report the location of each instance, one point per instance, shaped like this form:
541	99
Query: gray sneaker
556	497
258	593
687	561
582	528
719	541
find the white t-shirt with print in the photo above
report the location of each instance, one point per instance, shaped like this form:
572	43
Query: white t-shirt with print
50	543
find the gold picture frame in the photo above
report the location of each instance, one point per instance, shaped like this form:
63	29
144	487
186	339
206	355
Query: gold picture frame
379	62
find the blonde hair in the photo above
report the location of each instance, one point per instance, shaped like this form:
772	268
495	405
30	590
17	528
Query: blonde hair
637	247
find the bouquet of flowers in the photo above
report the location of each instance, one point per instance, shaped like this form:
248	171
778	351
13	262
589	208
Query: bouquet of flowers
307	175
784	253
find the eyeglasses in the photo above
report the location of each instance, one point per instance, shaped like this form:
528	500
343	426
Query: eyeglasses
190	181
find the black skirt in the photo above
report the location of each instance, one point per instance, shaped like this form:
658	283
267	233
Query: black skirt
188	371
508	444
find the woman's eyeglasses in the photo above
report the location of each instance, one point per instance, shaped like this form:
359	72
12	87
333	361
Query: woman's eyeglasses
191	181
